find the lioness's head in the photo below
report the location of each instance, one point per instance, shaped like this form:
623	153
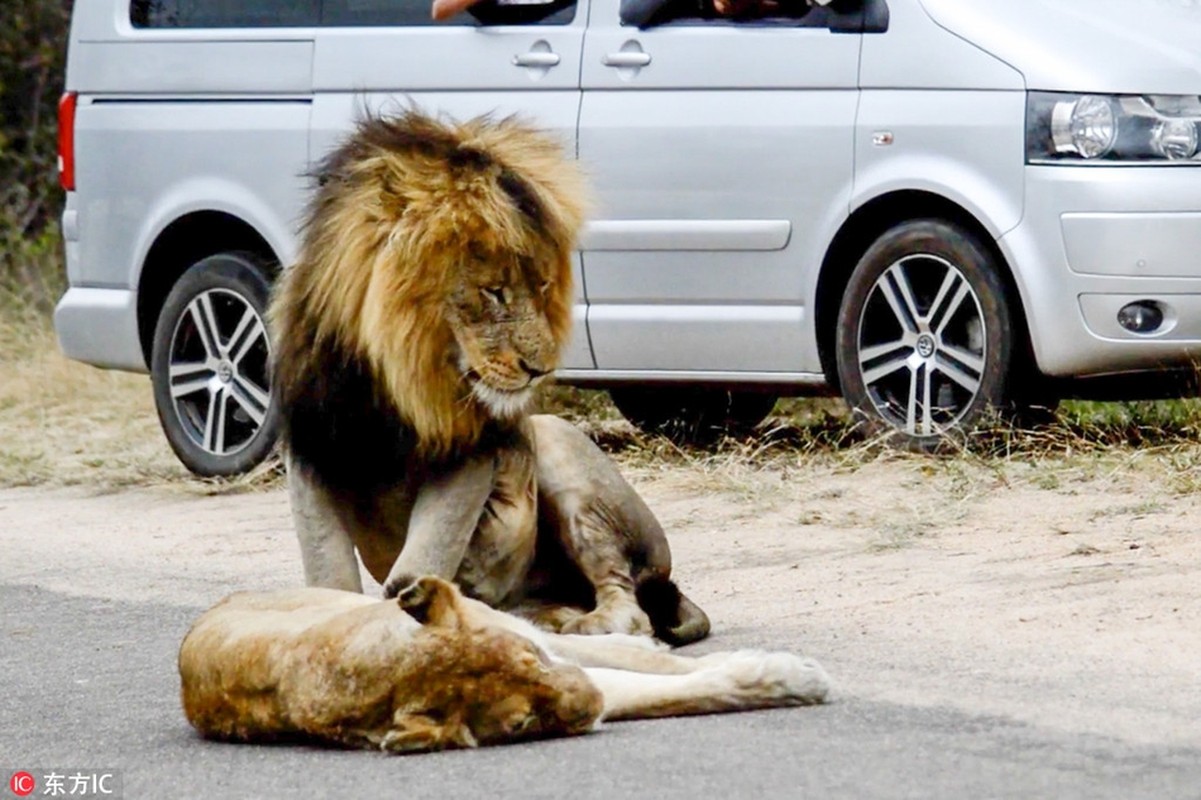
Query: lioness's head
441	254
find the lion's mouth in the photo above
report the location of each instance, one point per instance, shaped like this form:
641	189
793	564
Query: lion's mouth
502	403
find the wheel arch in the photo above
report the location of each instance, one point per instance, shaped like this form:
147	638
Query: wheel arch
186	240
857	234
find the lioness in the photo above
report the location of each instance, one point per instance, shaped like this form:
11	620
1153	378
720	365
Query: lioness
432	294
435	670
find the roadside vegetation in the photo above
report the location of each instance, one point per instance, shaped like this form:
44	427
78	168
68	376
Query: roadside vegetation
32	60
64	423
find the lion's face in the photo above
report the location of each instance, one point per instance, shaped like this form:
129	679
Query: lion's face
436	262
509	326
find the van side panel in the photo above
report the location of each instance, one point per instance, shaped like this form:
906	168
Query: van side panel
142	165
186	66
173	121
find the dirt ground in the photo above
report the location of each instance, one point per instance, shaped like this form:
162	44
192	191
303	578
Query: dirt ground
1065	599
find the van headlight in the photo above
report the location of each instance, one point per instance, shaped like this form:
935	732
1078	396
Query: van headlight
1064	128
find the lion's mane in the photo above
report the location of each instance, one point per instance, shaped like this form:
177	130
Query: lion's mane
361	338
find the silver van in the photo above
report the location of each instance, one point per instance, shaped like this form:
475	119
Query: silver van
930	206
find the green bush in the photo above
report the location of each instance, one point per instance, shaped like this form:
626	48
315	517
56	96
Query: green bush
33	35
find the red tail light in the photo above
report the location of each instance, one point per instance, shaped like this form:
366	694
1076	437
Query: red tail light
66	141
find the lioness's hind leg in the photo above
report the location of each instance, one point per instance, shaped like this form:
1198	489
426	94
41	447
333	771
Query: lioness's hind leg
622	651
736	681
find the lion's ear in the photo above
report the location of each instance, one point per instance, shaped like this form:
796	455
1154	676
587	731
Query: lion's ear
432	601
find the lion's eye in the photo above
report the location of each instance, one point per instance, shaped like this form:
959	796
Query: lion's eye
495	293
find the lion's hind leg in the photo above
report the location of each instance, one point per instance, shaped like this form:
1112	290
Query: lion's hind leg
595	550
546	616
616	611
611	539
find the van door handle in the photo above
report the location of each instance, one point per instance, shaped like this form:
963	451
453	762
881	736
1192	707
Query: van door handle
626	58
536	58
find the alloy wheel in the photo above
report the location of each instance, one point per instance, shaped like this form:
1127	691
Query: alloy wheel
922	345
219	373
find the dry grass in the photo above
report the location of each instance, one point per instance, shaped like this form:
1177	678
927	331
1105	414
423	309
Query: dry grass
1085	449
64	423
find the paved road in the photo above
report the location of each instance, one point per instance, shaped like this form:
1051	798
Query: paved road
90	683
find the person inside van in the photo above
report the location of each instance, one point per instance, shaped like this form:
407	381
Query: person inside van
445	9
499	12
753	9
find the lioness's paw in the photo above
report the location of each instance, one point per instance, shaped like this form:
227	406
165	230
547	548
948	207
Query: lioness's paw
395	584
415	594
773	677
423	597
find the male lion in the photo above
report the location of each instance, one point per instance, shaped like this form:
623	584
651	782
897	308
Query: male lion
342	668
431	295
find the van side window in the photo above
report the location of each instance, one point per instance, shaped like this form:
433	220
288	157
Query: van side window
341	13
417	12
844	16
224	13
382	12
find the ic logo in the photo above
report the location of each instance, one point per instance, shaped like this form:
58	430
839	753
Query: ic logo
22	784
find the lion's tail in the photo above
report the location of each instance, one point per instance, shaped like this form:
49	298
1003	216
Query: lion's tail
675	619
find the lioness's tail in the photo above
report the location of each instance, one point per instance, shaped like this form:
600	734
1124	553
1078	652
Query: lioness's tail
675	619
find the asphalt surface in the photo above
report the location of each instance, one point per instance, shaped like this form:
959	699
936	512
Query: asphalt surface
91	684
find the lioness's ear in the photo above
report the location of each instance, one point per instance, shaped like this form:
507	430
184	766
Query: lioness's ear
431	601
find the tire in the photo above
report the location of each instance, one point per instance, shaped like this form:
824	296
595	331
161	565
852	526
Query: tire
925	338
692	415
211	366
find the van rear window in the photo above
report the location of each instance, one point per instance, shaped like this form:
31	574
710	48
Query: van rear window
307	13
224	13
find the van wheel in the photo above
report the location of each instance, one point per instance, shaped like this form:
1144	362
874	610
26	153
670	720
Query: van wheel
211	366
924	337
692	415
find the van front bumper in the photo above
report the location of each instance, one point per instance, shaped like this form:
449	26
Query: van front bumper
100	327
1093	239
